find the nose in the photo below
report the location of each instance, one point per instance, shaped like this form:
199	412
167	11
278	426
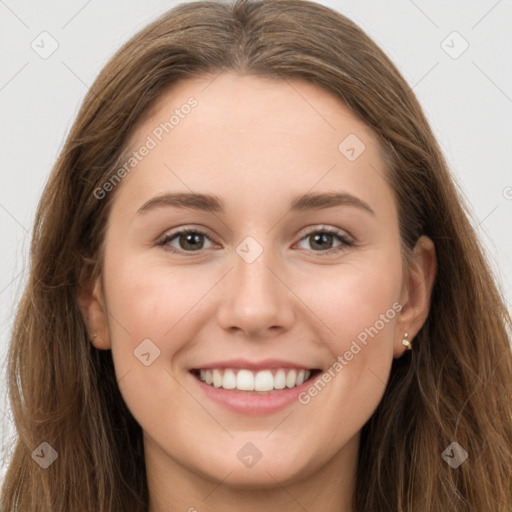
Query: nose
255	299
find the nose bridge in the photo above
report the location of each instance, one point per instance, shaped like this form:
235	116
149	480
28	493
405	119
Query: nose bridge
256	299
255	283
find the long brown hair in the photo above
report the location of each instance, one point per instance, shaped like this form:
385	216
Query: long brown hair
454	386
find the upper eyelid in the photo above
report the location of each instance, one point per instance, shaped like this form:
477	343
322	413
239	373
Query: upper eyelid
324	227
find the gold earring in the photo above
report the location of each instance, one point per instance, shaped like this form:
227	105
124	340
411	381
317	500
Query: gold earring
406	342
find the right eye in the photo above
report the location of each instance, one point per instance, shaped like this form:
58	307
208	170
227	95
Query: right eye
188	240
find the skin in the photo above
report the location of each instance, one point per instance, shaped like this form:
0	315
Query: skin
255	143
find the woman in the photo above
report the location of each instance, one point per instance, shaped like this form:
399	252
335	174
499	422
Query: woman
269	369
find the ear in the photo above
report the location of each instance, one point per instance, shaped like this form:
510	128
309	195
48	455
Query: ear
416	292
94	311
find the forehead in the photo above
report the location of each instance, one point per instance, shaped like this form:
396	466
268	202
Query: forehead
244	136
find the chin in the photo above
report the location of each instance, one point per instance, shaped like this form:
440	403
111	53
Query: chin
274	467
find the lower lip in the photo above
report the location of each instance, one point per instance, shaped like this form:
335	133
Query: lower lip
250	403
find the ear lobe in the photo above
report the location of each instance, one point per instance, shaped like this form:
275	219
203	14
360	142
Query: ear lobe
418	291
92	305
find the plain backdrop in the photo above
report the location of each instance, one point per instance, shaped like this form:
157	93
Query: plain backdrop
456	55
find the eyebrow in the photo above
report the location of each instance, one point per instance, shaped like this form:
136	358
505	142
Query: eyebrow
213	204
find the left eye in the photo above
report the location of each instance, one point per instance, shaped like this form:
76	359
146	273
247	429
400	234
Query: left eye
192	240
322	237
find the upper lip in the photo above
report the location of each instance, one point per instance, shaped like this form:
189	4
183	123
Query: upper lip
265	364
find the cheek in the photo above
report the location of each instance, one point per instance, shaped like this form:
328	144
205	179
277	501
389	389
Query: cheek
154	302
149	300
354	298
358	303
148	310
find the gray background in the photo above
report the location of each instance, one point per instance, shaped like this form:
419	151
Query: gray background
467	99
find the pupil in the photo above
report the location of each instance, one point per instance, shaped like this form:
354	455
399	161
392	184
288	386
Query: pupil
193	239
322	237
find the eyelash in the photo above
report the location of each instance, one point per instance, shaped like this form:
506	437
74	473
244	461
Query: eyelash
345	241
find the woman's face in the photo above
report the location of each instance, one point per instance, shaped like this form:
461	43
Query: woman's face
293	263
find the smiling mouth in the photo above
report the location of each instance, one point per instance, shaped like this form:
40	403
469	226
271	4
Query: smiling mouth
254	382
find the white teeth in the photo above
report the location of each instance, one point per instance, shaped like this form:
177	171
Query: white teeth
291	379
280	379
247	380
229	381
217	378
264	381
